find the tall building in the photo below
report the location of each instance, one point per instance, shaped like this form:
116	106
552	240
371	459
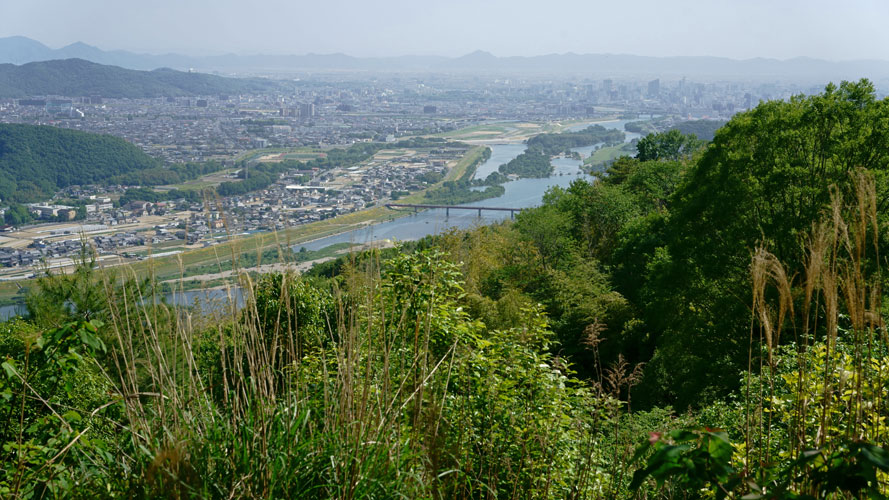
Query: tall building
306	110
59	106
654	87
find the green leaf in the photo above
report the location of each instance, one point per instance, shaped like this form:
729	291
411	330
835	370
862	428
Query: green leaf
719	447
91	340
72	416
680	435
9	368
875	455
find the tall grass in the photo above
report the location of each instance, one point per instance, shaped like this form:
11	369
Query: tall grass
375	384
252	429
825	388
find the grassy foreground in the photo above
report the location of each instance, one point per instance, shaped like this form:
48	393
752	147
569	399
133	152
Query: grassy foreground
394	379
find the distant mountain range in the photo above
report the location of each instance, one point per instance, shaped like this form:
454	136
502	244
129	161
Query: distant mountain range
20	50
77	77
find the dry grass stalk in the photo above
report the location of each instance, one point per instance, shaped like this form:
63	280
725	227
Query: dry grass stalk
840	290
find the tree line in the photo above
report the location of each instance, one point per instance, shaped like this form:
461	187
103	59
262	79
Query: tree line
557	143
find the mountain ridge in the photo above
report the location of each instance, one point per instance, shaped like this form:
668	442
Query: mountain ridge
19	50
79	77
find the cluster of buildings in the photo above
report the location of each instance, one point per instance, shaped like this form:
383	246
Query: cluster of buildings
334	192
298	197
222	127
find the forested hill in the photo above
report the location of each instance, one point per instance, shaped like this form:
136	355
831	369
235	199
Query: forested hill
35	161
76	77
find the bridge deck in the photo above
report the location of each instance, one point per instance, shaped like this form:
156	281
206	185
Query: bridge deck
457	207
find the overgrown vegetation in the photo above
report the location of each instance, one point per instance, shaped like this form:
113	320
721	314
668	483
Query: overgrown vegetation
528	164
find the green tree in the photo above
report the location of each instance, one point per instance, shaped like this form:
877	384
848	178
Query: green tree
764	181
17	214
59	298
35	161
670	145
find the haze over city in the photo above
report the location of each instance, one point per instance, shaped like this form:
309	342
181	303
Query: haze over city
736	29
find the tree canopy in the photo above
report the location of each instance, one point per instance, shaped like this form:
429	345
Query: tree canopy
766	179
36	161
670	145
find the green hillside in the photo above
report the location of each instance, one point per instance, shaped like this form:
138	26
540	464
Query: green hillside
35	161
76	77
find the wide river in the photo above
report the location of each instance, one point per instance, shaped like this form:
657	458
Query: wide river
522	193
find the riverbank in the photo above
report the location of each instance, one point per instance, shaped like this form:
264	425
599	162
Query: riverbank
604	156
515	132
367	226
172	266
522	193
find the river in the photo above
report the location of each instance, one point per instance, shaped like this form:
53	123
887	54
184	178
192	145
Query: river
522	193
211	300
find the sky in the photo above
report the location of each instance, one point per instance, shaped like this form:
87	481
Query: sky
740	29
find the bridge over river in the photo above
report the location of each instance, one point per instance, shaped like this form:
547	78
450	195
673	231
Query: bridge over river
448	208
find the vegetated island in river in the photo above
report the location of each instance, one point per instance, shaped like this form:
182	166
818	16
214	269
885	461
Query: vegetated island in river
533	163
556	144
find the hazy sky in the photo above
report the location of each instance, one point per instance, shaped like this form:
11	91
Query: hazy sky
829	29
